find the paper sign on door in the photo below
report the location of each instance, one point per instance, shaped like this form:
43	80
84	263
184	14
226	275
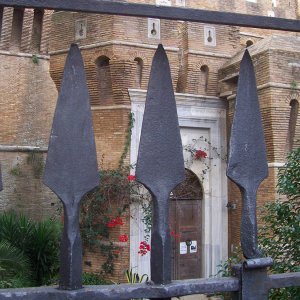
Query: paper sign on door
193	248
183	248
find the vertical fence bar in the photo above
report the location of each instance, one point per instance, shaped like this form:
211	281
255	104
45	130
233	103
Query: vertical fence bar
247	164
160	165
254	278
71	168
247	167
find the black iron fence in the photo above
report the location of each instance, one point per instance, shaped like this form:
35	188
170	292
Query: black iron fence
71	168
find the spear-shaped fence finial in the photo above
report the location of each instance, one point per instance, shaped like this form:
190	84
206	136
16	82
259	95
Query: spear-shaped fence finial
247	164
71	168
160	164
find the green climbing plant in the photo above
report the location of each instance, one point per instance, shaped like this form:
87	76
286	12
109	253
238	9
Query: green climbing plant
105	209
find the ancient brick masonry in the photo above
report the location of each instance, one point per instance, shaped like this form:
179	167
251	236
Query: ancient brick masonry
27	99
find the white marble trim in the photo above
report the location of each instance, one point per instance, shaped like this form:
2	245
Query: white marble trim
208	115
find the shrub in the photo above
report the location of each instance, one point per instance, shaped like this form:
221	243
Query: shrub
93	279
14	266
280	234
37	241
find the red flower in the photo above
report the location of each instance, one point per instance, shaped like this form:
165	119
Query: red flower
119	221
115	222
111	224
144	248
123	238
200	154
131	177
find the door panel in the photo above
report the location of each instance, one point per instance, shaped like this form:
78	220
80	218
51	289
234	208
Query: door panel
185	225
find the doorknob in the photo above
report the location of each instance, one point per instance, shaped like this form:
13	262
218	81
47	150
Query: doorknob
188	243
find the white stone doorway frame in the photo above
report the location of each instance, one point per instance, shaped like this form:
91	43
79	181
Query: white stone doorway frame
198	116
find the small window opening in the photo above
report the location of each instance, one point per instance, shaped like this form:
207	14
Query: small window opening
292	124
16	30
37	28
139	71
204	72
1	20
104	80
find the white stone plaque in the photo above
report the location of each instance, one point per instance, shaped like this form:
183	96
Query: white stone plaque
164	2
210	36
193	247
154	28
183	248
80	29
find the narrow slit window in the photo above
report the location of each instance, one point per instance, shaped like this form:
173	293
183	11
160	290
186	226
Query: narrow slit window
17	28
292	124
37	28
104	80
139	72
1	20
204	72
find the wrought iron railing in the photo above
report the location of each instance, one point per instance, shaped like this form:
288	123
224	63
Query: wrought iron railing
71	168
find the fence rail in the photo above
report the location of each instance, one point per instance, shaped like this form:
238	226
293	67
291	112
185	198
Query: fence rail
152	11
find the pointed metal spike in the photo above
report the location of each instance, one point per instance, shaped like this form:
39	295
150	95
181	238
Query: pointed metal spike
247	164
160	164
71	167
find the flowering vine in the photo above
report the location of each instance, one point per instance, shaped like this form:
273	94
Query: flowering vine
144	248
123	238
204	154
199	154
115	222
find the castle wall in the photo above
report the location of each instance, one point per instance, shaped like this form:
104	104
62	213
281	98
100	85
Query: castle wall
26	121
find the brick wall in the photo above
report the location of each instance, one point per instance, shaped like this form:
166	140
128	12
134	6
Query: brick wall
26	121
33	31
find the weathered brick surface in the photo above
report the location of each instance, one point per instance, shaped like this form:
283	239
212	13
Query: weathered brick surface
27	111
23	190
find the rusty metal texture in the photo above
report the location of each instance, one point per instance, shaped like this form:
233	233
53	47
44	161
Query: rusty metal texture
254	284
247	164
160	164
71	167
162	12
284	280
257	263
126	291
